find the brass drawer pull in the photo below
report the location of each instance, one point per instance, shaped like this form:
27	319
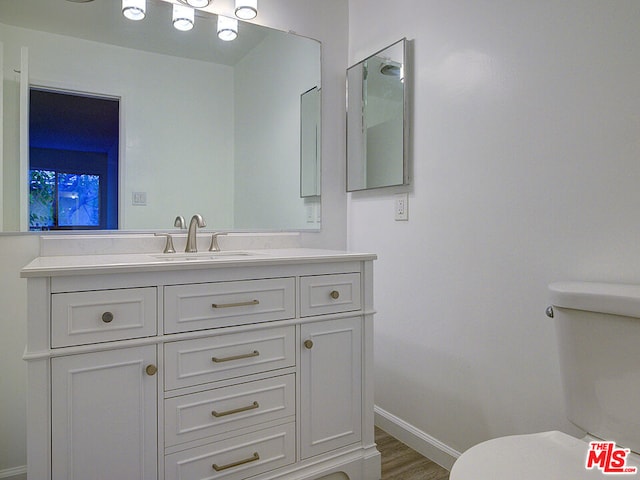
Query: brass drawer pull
231	305
219	468
151	370
253	406
255	353
335	294
308	344
107	317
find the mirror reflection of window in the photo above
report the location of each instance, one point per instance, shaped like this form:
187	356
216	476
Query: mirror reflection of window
58	200
73	161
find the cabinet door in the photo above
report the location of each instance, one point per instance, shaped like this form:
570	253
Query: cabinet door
104	411
331	385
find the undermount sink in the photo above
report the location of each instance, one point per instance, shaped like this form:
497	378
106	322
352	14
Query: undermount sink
174	257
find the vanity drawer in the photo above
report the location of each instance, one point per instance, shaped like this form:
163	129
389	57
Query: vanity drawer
237	458
323	294
213	305
80	318
209	413
210	359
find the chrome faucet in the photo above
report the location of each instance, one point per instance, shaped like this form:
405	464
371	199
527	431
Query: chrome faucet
192	244
180	223
214	247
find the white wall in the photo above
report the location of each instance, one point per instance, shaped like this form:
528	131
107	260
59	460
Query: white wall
325	21
15	252
526	154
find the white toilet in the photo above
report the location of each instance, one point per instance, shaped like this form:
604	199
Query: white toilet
598	333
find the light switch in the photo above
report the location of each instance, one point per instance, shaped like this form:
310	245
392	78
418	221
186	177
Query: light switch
139	198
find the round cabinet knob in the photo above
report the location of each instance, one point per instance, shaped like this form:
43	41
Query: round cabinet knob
308	344
107	317
151	370
335	294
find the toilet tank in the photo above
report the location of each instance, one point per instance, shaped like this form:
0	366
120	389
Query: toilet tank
598	334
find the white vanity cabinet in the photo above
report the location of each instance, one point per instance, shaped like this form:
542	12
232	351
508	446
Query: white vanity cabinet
104	414
207	370
330	380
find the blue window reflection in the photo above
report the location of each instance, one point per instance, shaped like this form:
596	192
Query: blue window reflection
78	200
42	186
59	200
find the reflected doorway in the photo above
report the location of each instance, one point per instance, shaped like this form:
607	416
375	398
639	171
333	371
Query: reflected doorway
73	160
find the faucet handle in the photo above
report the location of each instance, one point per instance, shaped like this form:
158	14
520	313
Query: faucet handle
168	247
180	223
214	247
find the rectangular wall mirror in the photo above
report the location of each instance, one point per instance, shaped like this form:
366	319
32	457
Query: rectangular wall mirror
377	120
205	126
310	143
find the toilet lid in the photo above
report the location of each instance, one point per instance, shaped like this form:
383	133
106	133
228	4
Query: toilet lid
539	456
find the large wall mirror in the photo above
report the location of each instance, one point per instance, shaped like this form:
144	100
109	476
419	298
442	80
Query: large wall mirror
202	125
377	120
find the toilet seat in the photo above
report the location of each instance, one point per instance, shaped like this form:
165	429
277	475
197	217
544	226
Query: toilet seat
539	456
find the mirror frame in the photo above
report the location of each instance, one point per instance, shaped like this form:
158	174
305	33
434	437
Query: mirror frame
356	109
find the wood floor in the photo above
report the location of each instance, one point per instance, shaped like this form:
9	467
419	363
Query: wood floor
399	462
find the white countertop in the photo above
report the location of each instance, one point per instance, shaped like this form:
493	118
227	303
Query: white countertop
63	265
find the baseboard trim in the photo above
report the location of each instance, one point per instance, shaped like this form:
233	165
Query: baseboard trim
420	441
16	473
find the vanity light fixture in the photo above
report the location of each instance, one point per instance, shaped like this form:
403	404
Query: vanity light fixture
134	9
227	28
196	3
183	17
246	9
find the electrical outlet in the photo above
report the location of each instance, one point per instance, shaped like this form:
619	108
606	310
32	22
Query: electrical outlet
311	214
402	207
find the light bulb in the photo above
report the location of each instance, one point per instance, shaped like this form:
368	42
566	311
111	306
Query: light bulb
134	9
246	9
197	3
227	28
183	17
